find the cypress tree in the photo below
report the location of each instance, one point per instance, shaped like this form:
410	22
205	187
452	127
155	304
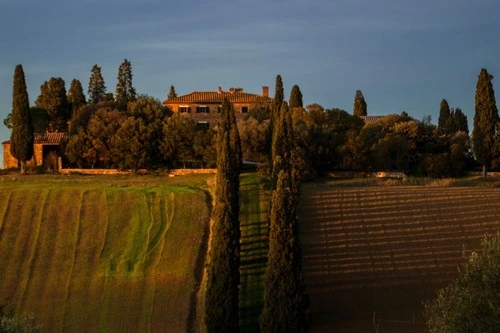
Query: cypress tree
485	120
22	136
296	97
54	100
285	299
281	140
125	92
172	93
279	97
76	98
360	107
223	276
278	100
444	115
97	88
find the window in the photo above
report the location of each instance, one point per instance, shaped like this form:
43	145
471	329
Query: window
202	109
219	108
202	124
184	109
244	109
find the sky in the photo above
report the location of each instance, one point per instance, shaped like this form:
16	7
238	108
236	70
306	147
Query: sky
403	55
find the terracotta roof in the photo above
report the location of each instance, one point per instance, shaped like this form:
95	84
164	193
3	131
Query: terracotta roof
200	97
48	138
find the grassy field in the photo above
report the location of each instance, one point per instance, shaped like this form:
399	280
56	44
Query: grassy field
126	253
372	254
103	254
254	214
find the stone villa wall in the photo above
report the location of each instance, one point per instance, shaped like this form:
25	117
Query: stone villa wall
170	173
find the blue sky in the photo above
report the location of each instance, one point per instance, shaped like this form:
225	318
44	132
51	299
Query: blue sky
403	55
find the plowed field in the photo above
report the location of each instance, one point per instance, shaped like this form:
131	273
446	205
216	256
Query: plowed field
373	254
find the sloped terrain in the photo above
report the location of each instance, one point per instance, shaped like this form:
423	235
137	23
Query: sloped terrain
90	255
373	254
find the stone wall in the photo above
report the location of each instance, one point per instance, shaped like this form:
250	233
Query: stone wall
171	173
10	161
355	174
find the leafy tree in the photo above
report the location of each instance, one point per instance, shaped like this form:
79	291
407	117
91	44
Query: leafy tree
471	303
172	93
79	149
444	115
41	119
81	118
205	146
457	122
296	97
485	120
76	98
101	128
252	134
22	136
125	92
134	145
54	100
359	104
97	88
178	133
221	309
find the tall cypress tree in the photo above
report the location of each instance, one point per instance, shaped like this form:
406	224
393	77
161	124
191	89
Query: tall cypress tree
278	100
282	145
360	107
76	98
485	120
285	300
223	276
279	97
296	97
97	88
22	136
444	115
125	92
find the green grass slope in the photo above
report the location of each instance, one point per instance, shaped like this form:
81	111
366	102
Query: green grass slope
103	254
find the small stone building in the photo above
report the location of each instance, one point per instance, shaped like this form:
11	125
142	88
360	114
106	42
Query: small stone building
205	106
45	144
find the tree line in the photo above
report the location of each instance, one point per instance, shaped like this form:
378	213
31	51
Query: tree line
127	130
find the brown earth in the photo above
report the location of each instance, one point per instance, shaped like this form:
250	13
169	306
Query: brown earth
372	255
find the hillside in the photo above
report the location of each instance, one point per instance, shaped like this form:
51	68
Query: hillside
373	254
106	254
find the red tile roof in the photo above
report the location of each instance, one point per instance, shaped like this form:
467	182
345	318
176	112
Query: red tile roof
48	138
200	97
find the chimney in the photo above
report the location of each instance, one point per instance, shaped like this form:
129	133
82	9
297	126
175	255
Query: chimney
265	91
220	90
